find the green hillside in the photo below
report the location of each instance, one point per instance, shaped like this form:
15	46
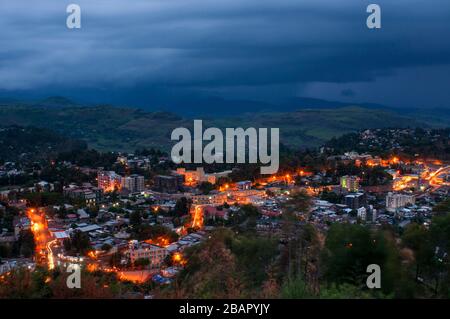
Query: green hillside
118	128
29	143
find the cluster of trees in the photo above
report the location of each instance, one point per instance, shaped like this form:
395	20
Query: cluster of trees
443	207
430	261
146	231
91	158
40	199
41	283
226	266
428	143
23	247
63	175
304	262
31	143
77	244
7	217
369	176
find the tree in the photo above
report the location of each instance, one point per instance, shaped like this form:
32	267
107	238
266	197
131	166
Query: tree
416	237
440	246
349	249
211	271
145	231
115	259
298	202
106	247
295	289
206	187
135	218
182	206
80	242
92	287
443	207
26	243
295	235
332	197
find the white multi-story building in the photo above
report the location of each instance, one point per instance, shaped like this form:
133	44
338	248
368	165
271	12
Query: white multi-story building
134	183
395	201
362	213
155	254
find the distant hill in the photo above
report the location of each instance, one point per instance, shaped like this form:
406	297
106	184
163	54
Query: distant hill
312	127
57	101
107	127
114	128
299	103
185	104
216	107
32	143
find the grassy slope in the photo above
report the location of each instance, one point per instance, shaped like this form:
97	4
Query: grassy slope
114	128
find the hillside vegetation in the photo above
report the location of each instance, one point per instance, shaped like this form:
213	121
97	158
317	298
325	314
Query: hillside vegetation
119	128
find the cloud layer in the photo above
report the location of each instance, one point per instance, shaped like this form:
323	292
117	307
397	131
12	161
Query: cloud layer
319	48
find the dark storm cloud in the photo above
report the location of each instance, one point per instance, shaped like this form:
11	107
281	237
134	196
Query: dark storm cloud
216	43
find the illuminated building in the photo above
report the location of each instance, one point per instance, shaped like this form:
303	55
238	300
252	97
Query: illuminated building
199	176
134	183
211	199
244	185
395	201
230	197
89	194
350	183
153	253
109	181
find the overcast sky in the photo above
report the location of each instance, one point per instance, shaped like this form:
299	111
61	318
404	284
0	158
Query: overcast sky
253	49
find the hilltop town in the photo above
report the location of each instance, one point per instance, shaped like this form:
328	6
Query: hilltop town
139	222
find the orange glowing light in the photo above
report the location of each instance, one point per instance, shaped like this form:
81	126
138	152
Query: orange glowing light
197	217
92	267
41	236
178	259
134	276
160	241
92	254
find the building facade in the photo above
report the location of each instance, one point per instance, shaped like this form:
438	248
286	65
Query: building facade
134	183
154	254
395	201
349	183
109	181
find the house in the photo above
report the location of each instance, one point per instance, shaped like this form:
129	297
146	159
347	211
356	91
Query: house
155	254
82	214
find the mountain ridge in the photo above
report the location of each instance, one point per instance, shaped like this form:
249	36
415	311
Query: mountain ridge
107	127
